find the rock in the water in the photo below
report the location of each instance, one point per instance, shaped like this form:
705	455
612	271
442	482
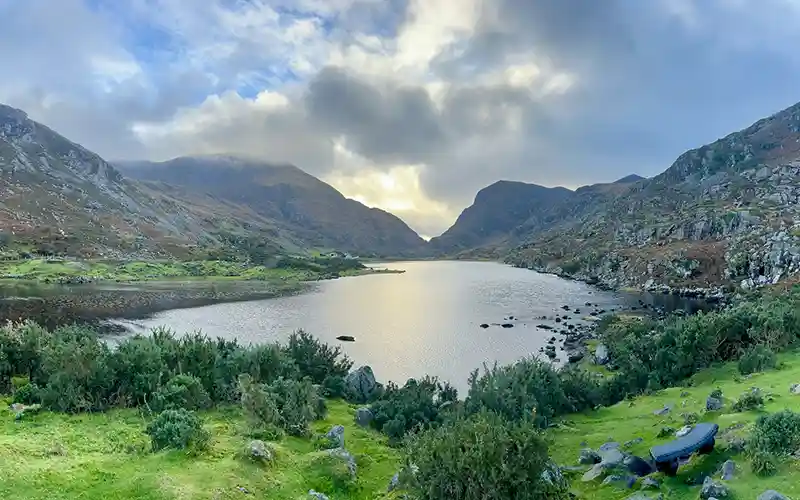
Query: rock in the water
336	435
649	483
346	338
663	411
601	356
728	470
317	495
364	417
258	450
771	495
713	404
360	384
686	429
588	457
507	325
484	325
713	489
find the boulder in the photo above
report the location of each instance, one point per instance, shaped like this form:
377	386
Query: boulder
713	404
317	495
728	470
595	472
637	465
394	482
601	355
772	495
257	450
336	435
649	483
686	429
620	481
364	417
794	389
713	489
589	457
663	411
347	457
612	458
360	384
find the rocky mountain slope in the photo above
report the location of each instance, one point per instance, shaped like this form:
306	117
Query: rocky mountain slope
299	204
724	214
56	196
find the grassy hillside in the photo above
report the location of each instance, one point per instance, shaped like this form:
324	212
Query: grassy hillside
106	456
632	419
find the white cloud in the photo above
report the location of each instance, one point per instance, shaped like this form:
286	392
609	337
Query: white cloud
430	100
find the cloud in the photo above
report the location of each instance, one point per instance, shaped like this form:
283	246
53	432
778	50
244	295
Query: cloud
410	105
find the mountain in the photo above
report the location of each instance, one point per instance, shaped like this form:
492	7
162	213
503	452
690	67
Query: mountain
726	213
299	204
497	210
56	196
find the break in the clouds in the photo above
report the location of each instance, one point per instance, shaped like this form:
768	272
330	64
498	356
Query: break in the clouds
409	105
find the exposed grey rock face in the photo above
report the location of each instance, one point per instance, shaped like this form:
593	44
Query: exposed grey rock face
258	450
336	435
317	495
360	384
713	489
728	470
364	417
588	457
601	354
713	404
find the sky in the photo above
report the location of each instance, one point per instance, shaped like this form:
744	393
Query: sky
408	105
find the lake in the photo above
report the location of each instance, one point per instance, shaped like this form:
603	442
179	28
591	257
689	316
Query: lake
424	321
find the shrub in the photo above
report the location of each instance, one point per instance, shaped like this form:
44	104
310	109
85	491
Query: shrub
27	394
531	390
773	437
316	359
178	429
333	386
138	369
483	458
750	400
182	391
418	404
756	359
290	405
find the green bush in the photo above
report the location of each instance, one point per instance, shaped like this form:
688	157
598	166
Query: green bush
750	400
27	394
483	458
757	358
334	386
182	391
178	429
286	404
532	390
418	404
774	437
138	369
316	359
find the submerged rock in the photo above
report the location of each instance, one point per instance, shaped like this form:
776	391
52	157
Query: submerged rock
346	338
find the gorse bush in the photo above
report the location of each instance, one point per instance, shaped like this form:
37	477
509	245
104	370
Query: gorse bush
27	394
289	405
774	437
750	400
757	358
76	371
178	429
484	457
182	391
416	405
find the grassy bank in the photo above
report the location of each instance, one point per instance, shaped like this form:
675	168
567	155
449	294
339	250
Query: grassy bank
106	456
282	269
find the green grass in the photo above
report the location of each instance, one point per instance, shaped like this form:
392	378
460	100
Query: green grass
635	419
51	271
106	456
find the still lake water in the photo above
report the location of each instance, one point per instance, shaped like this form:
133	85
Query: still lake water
424	321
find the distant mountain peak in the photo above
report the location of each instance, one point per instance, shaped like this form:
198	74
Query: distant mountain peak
628	179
